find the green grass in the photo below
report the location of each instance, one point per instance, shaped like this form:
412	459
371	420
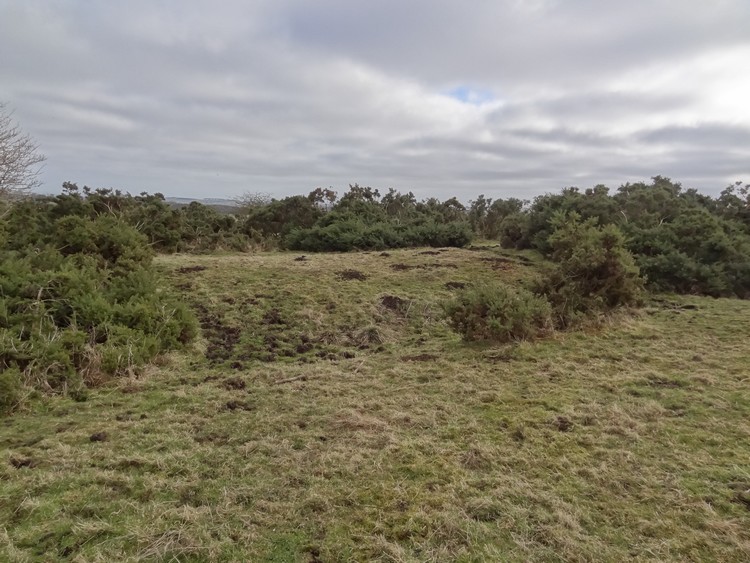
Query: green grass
365	432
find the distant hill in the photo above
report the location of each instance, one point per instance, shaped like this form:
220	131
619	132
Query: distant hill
204	201
221	205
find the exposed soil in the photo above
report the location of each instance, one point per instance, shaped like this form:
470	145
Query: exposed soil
221	338
563	424
352	275
455	285
304	347
273	317
19	462
238	405
234	383
393	303
190	269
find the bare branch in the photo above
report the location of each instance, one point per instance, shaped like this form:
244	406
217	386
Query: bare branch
252	200
20	159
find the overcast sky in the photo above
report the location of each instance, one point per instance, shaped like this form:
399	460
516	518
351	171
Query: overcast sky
507	98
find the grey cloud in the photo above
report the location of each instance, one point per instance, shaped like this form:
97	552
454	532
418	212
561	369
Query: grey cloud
708	135
194	98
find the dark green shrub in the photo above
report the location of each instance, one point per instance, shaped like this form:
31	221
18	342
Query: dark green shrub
280	217
498	313
81	301
353	234
456	234
594	272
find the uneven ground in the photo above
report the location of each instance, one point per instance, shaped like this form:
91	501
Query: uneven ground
330	415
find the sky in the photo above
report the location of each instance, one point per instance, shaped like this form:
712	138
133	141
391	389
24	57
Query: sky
507	98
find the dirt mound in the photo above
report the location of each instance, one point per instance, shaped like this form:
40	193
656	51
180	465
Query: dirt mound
234	384
393	303
273	317
352	275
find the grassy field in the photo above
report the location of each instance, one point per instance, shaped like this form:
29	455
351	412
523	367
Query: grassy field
329	414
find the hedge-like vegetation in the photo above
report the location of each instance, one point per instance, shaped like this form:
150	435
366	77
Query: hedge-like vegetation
681	240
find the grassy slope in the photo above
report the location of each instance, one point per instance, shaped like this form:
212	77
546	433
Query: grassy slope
396	442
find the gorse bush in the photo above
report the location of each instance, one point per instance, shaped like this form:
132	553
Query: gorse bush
592	272
682	241
498	313
353	234
362	220
80	300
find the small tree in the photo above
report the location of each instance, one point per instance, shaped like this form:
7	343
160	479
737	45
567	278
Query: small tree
20	159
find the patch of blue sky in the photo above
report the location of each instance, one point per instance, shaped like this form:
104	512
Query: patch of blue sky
473	96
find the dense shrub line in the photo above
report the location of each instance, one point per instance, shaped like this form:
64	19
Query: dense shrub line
681	240
354	234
